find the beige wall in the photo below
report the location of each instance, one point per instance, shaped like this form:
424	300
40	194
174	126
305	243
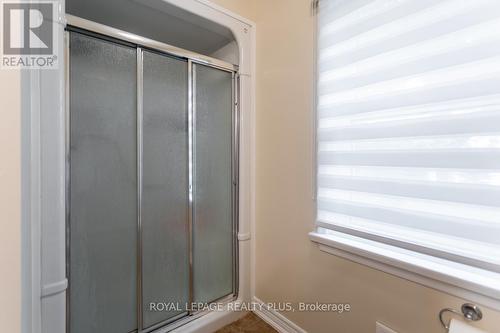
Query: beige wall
289	266
10	199
245	8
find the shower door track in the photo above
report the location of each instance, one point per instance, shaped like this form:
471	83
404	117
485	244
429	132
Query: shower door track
77	24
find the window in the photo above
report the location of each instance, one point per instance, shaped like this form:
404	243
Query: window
408	132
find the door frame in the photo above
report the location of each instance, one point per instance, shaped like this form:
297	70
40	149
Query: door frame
43	189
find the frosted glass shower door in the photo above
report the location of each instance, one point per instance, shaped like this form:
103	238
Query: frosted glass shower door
103	191
213	231
152	185
165	243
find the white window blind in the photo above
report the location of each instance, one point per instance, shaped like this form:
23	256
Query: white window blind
409	125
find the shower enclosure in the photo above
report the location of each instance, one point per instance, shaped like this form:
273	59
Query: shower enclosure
152	178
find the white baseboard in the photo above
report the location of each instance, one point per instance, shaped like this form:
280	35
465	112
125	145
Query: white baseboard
279	322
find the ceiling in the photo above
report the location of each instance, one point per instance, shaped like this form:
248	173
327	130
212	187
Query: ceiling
155	19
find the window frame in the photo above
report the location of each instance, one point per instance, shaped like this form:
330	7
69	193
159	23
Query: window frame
444	271
413	266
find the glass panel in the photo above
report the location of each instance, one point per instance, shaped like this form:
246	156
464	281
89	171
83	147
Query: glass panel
213	229
165	198
103	195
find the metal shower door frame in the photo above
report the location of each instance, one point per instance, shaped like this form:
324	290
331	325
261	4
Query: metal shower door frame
141	44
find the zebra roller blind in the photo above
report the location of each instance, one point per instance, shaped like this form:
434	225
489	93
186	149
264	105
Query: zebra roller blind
408	125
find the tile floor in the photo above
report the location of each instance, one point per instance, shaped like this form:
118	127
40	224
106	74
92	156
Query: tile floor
248	324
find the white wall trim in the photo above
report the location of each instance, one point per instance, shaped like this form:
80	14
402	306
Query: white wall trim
31	203
42	223
279	322
442	280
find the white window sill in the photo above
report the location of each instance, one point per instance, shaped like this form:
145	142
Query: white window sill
470	283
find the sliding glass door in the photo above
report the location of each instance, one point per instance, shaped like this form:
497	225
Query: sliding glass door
213	231
103	186
165	241
152	187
